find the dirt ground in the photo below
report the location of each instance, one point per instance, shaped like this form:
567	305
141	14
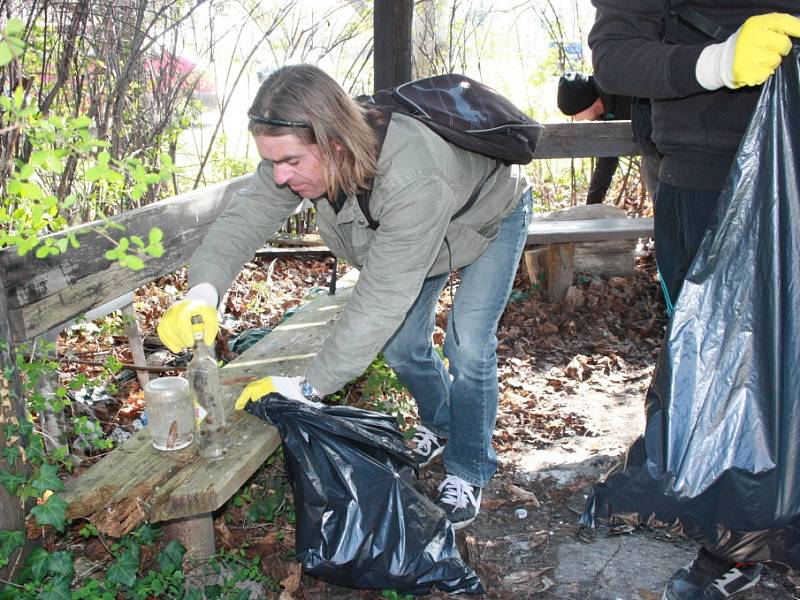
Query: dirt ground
573	379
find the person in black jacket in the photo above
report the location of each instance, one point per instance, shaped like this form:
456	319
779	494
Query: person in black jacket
581	98
701	62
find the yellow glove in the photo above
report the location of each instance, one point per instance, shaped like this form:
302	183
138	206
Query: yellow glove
750	55
295	388
762	43
175	327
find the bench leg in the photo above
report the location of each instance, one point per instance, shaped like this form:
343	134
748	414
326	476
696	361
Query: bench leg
135	341
196	534
533	265
559	263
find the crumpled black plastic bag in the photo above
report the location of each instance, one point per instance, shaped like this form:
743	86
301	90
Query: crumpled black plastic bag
361	523
719	457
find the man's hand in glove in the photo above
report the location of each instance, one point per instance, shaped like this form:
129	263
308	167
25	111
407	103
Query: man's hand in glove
294	388
750	55
175	327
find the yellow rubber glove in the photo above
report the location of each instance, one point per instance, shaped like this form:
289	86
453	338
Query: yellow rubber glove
175	327
290	387
762	43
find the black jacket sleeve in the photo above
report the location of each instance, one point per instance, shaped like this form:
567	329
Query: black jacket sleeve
629	56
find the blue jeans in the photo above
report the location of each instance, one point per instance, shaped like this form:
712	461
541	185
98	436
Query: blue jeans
461	403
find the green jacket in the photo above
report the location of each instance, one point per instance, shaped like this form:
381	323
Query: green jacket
423	180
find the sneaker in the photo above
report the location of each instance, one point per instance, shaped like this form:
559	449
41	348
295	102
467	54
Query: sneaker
427	445
711	578
460	501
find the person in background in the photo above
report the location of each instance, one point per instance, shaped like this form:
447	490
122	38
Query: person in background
318	143
702	64
581	98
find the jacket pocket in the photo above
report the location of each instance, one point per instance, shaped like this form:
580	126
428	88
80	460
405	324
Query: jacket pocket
463	247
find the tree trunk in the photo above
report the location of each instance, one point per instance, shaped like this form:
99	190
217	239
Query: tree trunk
12	410
392	34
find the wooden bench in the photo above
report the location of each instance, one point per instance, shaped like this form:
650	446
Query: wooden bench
550	260
136	482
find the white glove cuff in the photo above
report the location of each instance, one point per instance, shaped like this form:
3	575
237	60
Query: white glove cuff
714	68
205	292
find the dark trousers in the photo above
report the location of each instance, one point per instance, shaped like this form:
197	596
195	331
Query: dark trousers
603	173
682	216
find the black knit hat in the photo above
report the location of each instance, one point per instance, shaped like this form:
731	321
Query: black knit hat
576	93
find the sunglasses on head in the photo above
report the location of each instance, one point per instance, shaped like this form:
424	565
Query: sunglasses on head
276	122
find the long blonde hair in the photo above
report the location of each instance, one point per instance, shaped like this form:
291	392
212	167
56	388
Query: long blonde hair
305	95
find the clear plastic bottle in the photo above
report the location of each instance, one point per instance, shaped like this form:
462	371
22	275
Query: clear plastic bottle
203	375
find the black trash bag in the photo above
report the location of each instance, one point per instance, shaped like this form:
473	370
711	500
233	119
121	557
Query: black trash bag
719	456
361	523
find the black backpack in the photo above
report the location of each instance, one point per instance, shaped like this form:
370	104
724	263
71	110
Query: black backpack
466	113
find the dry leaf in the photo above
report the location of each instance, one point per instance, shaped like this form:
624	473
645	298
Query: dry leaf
518	494
291	582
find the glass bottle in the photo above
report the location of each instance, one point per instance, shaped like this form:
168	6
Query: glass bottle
203	375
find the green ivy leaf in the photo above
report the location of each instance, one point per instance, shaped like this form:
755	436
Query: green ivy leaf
156	235
52	512
170	559
57	588
12	481
62	564
37	564
146	534
9	541
123	570
47	479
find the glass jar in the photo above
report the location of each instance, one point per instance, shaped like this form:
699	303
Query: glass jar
170	412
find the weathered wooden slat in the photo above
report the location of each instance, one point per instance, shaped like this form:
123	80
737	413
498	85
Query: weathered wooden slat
585	139
588	230
137	482
45	293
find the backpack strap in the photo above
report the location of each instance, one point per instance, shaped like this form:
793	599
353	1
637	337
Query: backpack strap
679	10
475	193
363	198
380	126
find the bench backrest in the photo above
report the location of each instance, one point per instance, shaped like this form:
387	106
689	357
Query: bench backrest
42	294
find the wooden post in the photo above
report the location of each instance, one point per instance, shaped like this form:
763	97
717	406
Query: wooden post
135	341
12	410
196	534
392	21
559	269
